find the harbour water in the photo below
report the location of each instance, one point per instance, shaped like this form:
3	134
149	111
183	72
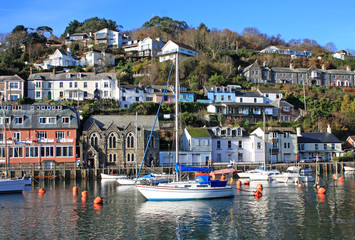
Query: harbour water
285	211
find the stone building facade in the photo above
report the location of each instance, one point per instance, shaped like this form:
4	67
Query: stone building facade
309	76
112	140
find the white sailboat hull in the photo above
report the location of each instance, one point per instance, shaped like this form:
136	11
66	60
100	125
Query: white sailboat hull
349	168
113	177
126	181
175	192
12	185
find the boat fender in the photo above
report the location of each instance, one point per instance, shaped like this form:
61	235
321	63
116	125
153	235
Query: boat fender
341	179
259	187
84	194
239	184
223	178
300	185
246	182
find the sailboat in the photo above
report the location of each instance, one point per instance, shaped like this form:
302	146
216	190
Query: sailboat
8	185
202	188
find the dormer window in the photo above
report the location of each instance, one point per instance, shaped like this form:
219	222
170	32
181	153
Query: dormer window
18	120
68	75
65	120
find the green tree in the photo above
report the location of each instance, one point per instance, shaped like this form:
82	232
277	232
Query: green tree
217	80
167	25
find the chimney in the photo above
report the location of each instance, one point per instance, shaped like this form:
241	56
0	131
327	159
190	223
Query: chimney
298	131
291	65
323	67
329	130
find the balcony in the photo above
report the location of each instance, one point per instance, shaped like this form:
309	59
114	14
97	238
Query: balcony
45	140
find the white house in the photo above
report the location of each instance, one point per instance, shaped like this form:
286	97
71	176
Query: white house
171	48
269	95
11	88
148	47
281	144
323	145
248	97
110	37
233	145
78	38
131	94
61	58
341	54
97	58
73	86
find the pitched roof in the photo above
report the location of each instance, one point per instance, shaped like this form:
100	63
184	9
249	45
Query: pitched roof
121	121
318	138
281	103
280	129
73	76
198	132
11	77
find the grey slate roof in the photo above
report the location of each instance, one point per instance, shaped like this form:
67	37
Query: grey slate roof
32	113
281	102
247	94
11	77
73	76
318	138
121	121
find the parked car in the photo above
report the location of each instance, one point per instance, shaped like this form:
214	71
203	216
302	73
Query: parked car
311	160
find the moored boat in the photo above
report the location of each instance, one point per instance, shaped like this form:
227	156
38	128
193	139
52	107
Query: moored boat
111	176
347	168
12	185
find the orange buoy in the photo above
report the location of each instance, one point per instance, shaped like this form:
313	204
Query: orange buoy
259	187
318	187
335	176
75	191
246	182
258	193
84	194
223	178
83	199
98	200
300	185
321	190
42	190
239	184
341	180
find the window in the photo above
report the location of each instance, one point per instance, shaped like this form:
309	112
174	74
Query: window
18	120
219	157
31	151
94	140
258	145
255	100
61	84
47	120
47	151
59	134
130	140
85	84
241	99
123	98
68	133
333	146
15	152
66	120
70	84
49	84
14	85
38	94
240	144
229	97
222	98
286	134
38	84
112	141
229	144
105	84
105	93
316	146
75	84
325	146
96	84
61	94
41	134
85	94
218	144
17	135
64	151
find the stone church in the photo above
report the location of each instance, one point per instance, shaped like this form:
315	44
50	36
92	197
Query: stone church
119	140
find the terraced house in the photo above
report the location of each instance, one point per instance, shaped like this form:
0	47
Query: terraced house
72	86
11	88
309	76
40	135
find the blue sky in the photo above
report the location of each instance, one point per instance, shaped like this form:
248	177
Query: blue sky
324	21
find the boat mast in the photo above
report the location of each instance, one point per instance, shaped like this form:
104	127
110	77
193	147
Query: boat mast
264	140
177	90
4	139
136	145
